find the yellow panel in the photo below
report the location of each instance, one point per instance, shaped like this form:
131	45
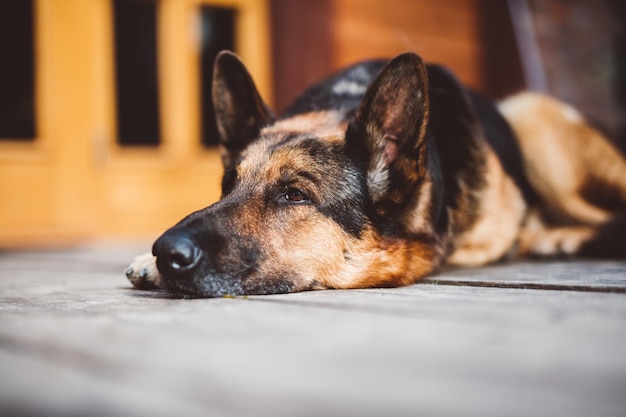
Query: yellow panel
74	76
74	180
29	172
144	191
25	202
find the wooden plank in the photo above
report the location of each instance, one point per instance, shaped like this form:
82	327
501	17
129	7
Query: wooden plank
607	276
68	392
75	340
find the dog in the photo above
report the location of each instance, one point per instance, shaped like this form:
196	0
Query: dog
382	174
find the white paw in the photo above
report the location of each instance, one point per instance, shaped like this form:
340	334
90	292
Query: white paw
564	241
142	272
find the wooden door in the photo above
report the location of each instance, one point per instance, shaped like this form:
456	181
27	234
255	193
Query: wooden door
85	173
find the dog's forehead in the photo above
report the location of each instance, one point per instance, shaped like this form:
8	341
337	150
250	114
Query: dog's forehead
328	123
291	144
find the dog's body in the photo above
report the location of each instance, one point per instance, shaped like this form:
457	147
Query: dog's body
382	174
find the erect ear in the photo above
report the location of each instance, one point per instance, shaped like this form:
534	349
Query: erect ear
390	127
240	112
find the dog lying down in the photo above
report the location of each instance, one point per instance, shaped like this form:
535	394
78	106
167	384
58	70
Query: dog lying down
380	175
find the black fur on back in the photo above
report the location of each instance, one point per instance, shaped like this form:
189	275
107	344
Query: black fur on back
456	132
503	142
334	93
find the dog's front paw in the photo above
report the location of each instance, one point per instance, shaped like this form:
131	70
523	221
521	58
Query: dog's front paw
143	273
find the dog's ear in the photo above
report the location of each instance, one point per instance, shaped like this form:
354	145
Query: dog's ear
390	128
240	112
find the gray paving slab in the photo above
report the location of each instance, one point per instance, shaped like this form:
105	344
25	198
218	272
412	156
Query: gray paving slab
76	340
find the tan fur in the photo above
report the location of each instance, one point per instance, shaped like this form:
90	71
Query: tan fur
562	154
377	262
419	220
564	157
331	259
322	124
501	212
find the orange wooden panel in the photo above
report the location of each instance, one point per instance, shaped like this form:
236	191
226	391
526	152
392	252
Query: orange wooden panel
471	37
75	181
143	191
446	32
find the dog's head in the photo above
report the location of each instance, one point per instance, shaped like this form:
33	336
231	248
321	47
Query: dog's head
317	200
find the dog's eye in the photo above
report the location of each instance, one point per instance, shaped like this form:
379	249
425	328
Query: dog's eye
294	195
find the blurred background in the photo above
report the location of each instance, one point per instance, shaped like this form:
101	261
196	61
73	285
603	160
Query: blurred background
106	128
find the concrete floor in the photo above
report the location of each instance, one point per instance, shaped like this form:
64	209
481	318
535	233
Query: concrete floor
526	339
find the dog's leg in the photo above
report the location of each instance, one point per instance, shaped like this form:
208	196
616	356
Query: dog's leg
579	175
604	241
142	272
539	239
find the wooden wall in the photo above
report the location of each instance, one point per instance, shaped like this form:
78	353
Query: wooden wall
75	180
313	38
572	49
582	50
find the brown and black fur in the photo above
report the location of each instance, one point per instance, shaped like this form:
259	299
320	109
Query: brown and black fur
382	174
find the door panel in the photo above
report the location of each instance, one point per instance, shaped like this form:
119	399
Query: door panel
75	180
31	172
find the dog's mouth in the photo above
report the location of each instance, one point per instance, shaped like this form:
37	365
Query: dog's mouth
215	285
206	287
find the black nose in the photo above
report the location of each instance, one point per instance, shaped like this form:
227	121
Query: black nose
176	254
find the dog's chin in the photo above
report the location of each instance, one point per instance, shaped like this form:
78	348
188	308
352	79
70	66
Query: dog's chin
214	286
202	287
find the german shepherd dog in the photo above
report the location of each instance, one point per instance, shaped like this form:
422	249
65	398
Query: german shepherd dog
382	174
